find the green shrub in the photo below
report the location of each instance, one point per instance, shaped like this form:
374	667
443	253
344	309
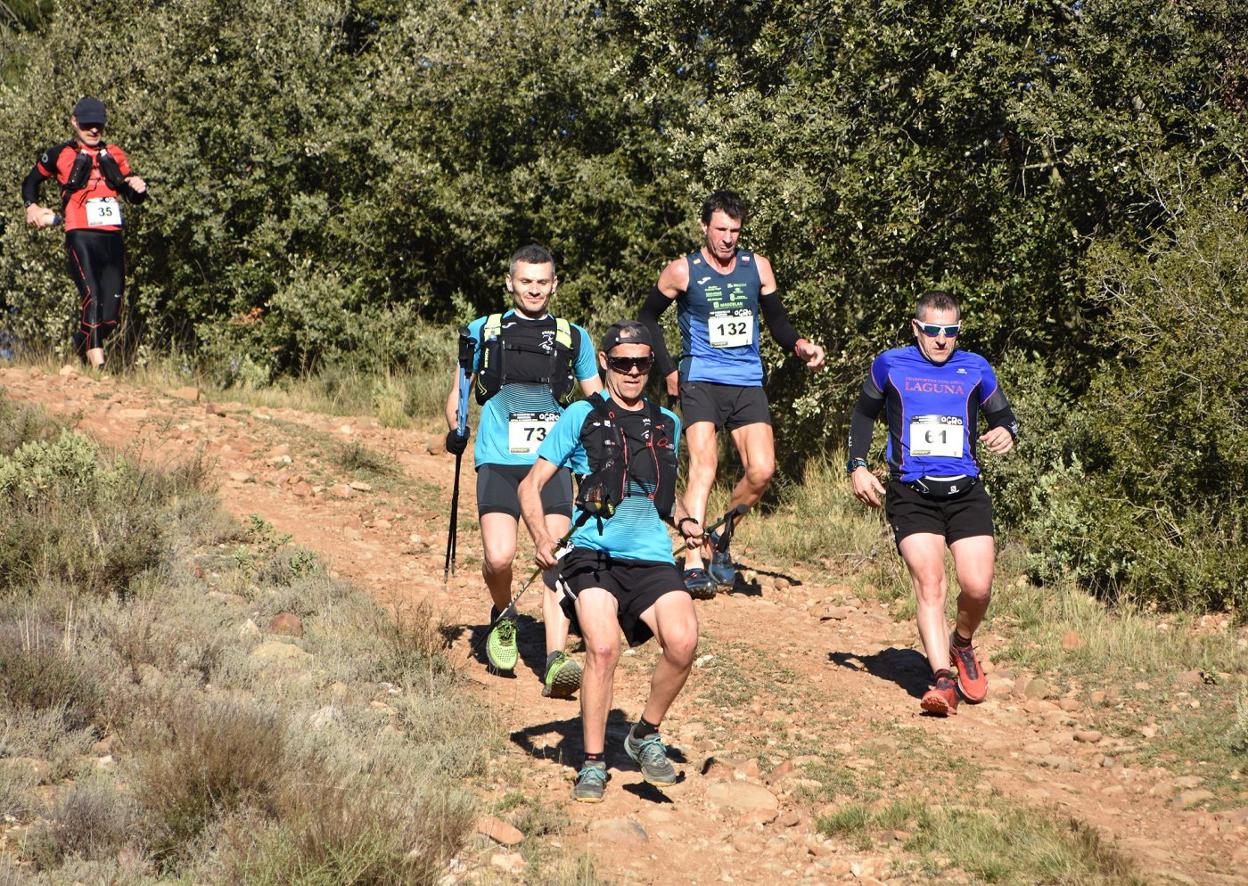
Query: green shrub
1137	488
360	830
69	515
36	677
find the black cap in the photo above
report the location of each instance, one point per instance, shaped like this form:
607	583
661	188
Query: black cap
626	332
90	110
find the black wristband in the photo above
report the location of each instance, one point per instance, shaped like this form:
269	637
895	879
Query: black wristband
681	522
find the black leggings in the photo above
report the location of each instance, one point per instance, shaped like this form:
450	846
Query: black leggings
97	265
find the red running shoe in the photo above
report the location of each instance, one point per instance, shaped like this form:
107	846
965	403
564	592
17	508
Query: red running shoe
941	699
972	680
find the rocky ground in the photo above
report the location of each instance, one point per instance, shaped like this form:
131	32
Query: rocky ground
803	702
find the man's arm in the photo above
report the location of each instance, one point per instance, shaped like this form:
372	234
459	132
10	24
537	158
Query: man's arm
772	308
30	195
1002	425
530	491
673	281
867	487
587	365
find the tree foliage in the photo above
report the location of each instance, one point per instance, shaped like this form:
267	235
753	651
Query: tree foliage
328	173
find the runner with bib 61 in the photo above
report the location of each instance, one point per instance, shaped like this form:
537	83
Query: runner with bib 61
932	395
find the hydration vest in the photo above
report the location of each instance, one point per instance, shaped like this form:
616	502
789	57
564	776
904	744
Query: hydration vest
626	451
527	351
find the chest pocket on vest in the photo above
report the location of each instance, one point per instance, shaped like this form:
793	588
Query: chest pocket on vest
630	453
529	352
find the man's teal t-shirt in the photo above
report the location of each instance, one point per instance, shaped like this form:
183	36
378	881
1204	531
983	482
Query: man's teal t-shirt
515	420
635	531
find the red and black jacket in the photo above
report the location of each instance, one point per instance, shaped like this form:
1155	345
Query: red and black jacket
84	174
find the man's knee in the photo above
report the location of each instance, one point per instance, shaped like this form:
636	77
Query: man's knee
601	653
680	645
759	473
497	562
930	589
976	591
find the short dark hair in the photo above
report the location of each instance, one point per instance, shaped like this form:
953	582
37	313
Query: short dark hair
626	332
726	202
937	300
533	255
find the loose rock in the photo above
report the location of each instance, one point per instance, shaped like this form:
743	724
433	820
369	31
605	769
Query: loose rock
744	798
622	831
499	831
287	624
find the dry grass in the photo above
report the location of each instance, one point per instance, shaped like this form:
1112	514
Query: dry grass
92	820
204	760
222	772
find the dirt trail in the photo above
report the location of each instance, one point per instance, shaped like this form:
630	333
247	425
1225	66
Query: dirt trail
800	672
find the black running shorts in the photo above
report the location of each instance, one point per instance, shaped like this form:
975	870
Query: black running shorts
497	493
962	516
636	585
725	406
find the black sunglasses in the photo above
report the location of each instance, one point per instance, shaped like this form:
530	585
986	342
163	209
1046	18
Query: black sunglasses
628	364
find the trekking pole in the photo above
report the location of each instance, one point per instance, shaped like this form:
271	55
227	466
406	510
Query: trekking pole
509	611
467	352
730	518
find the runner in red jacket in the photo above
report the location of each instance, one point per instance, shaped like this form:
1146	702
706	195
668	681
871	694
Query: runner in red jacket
93	175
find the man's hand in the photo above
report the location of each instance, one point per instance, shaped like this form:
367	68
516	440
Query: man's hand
692	531
998	440
673	384
544	552
35	216
136	184
809	353
867	488
456	443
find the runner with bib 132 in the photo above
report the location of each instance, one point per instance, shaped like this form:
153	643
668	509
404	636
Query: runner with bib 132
932	395
720	292
525	365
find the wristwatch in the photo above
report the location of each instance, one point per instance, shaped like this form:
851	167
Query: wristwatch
854	464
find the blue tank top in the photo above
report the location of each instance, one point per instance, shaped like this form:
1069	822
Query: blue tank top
932	410
718	318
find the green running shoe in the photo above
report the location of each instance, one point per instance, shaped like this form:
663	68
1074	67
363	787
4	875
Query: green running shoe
651	755
500	646
563	677
591	781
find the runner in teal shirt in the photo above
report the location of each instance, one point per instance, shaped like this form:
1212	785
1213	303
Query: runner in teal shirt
525	362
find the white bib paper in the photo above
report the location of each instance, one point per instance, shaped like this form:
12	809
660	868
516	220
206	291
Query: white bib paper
731	329
103	211
527	430
937	435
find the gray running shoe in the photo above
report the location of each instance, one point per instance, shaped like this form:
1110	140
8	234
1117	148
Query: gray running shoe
591	781
721	569
563	677
651	755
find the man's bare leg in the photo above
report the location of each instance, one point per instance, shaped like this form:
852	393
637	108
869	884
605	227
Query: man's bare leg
924	553
498	541
702	443
675	626
596	612
555	622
